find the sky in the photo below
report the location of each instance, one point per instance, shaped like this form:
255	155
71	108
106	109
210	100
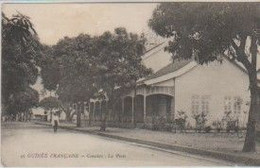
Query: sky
54	21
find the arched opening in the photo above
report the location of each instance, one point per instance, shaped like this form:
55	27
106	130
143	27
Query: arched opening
158	105
139	109
91	109
117	111
97	114
127	109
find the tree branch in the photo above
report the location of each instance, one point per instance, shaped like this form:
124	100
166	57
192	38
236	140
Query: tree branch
241	57
253	49
243	42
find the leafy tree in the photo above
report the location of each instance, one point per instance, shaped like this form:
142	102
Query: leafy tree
50	73
86	65
20	53
119	58
68	69
50	103
22	101
209	30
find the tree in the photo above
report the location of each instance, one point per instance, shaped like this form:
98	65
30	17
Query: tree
88	65
119	58
50	73
50	103
21	102
209	30
20	53
68	69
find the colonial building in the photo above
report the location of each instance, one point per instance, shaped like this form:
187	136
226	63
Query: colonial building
218	90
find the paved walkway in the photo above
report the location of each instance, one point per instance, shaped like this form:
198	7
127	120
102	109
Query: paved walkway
221	142
27	145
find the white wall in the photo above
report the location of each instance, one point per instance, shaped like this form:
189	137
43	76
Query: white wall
157	59
169	82
216	80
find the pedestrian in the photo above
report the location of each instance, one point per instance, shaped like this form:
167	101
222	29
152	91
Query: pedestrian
55	122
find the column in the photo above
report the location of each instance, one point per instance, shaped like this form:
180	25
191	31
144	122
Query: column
89	108
123	108
144	108
100	110
172	108
89	113
94	109
133	110
78	114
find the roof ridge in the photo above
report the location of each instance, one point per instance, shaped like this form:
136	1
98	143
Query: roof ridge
153	48
169	68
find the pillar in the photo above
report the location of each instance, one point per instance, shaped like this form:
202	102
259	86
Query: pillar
89	114
78	114
123	108
94	109
144	108
101	110
172	108
89	108
133	110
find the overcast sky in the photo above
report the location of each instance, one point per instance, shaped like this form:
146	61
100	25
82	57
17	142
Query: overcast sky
54	21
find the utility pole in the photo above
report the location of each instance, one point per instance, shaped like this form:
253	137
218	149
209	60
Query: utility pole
257	32
78	114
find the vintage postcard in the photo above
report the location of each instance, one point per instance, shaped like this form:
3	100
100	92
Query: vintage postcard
90	84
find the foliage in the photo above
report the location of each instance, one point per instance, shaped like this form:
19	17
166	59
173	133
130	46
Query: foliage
207	32
158	122
180	120
207	129
20	55
23	101
68	68
84	67
50	103
231	122
200	119
50	72
218	125
120	64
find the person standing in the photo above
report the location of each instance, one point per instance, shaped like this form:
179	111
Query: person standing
55	122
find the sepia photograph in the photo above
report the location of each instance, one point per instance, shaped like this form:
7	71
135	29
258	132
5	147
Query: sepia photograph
127	84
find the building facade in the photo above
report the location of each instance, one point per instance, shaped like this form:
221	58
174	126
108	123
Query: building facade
219	91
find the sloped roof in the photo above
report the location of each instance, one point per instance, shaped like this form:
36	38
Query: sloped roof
153	50
178	64
174	66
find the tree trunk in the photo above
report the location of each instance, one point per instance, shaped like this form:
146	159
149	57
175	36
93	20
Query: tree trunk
78	116
104	119
51	115
90	119
249	144
66	108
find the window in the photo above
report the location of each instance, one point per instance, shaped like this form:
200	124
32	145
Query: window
237	105
205	104
195	104
227	104
232	105
200	104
